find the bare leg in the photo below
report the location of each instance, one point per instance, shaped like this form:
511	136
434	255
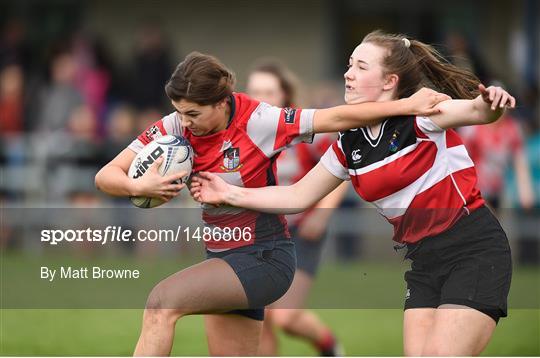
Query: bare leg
269	342
288	315
458	331
232	335
417	323
208	287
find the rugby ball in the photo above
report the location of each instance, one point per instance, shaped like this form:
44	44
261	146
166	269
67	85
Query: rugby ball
178	156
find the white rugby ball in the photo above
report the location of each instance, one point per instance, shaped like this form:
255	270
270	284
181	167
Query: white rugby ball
178	156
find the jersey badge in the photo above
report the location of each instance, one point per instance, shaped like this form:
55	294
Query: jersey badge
289	115
394	143
231	160
152	133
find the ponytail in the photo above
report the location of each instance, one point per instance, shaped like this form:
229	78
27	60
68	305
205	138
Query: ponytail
444	76
418	64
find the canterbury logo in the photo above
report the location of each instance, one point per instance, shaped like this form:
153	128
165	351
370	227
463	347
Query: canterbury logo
355	155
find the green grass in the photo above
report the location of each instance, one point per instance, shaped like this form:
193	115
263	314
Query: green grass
114	332
374	330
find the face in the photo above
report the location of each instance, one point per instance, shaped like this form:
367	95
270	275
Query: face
365	80
265	87
202	120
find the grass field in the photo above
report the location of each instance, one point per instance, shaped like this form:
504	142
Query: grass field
114	332
373	331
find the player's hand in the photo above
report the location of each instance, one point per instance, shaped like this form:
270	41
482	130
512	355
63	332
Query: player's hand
424	101
209	188
314	225
153	184
496	97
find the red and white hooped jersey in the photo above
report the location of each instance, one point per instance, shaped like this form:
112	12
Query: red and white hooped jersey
243	154
419	176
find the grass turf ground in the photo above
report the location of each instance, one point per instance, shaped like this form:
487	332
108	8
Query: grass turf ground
374	331
114	332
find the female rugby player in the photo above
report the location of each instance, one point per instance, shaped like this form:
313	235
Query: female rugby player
271	82
417	173
237	138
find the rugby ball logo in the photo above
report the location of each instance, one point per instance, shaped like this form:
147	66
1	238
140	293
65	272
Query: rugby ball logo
178	157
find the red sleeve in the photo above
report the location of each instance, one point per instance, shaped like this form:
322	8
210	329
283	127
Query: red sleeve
153	131
272	129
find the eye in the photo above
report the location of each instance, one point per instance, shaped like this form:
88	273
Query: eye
349	65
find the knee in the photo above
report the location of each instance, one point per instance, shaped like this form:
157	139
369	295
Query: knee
158	311
285	318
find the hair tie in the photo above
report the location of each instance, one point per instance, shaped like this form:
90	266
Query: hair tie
406	42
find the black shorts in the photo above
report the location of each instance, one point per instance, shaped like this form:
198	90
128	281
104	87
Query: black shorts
469	264
308	252
265	269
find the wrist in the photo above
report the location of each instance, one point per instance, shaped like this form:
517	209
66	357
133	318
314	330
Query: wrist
405	106
231	195
133	187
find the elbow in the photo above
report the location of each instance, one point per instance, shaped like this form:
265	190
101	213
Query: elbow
98	179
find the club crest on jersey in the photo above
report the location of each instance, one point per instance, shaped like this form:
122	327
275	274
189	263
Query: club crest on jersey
289	115
231	160
394	143
152	133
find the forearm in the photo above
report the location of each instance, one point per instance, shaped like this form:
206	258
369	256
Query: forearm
346	117
272	199
332	201
523	177
291	199
113	180
483	113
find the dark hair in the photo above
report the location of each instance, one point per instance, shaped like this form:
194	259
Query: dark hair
417	64
200	78
287	80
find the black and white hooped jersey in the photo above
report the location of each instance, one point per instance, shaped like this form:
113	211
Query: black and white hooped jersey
419	176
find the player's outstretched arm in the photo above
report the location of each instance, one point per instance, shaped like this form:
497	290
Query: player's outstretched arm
113	179
484	109
211	189
423	102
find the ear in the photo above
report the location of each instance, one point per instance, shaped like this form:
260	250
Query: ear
390	82
222	104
